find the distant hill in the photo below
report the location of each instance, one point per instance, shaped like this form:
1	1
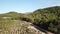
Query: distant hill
13	15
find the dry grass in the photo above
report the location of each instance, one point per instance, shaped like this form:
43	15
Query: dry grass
15	27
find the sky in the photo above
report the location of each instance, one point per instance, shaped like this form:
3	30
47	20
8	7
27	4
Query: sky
23	6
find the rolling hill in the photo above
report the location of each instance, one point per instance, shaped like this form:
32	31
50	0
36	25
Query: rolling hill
46	18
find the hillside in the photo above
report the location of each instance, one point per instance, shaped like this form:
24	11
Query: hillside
46	18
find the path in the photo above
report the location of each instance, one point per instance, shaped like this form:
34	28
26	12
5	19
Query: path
38	29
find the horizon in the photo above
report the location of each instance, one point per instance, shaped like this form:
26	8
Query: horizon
24	6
